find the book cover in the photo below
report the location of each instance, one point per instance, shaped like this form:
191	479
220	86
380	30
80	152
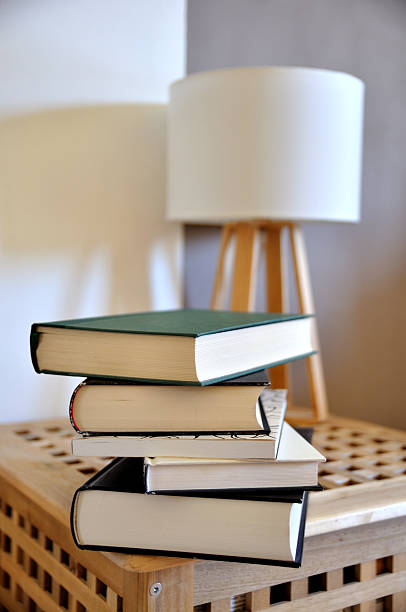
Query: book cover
192	322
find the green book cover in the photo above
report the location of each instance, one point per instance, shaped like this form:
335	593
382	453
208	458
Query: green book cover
192	322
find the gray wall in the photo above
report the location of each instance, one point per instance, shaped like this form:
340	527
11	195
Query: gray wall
358	271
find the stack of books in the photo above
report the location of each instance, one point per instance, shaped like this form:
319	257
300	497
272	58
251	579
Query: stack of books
205	466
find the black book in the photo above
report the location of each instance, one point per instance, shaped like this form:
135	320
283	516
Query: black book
111	512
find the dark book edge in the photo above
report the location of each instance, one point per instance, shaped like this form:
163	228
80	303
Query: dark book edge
185	555
300	539
257	378
34	339
204	383
265	424
165	434
306	433
246	493
88	484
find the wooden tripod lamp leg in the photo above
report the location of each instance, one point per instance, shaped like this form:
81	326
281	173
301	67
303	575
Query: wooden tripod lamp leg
274	291
244	273
306	305
242	295
226	235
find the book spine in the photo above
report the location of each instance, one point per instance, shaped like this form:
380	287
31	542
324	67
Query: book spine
34	340
265	424
145	476
72	519
300	540
71	404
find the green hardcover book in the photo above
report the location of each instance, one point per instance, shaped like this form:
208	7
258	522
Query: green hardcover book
189	346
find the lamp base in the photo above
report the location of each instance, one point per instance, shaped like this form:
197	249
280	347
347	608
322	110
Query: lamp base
247	238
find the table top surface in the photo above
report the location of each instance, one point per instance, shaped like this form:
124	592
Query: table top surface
364	475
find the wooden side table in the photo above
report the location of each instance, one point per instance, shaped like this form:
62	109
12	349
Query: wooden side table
355	547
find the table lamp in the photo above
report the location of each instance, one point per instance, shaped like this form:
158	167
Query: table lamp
259	150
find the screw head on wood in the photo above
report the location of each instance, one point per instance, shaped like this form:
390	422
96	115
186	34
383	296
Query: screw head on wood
155	589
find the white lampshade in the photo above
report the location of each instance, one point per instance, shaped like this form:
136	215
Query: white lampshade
265	143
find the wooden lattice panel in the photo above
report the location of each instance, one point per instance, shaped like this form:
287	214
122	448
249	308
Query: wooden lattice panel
325	591
54	439
356	455
38	574
351	562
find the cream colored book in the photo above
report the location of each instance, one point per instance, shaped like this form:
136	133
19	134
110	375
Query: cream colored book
263	445
115	407
296	466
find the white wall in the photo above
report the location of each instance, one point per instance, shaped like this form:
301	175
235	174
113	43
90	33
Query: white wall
56	53
82	174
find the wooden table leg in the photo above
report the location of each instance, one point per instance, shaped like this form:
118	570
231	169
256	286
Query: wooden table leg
168	590
258	600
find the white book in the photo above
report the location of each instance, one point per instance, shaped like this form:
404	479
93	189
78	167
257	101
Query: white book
296	466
